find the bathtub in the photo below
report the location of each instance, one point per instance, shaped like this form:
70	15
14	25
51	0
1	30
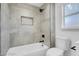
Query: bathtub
35	49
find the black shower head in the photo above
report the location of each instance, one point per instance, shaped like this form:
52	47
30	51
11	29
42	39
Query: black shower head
41	10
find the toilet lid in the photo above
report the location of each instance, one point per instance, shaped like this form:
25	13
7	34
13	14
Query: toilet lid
55	52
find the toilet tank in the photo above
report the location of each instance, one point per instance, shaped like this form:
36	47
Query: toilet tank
63	43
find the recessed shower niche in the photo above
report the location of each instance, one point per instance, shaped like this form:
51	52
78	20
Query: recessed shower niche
26	20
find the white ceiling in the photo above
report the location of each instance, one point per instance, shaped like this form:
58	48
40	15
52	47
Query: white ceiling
36	4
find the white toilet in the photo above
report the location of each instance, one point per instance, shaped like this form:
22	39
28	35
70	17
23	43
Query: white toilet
62	46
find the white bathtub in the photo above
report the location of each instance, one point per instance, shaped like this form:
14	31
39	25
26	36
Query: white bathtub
35	49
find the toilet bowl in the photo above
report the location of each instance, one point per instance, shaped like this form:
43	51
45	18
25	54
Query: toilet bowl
62	46
55	52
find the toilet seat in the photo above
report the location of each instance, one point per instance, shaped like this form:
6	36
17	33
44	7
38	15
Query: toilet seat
55	52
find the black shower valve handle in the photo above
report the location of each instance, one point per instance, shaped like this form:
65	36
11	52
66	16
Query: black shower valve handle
42	41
